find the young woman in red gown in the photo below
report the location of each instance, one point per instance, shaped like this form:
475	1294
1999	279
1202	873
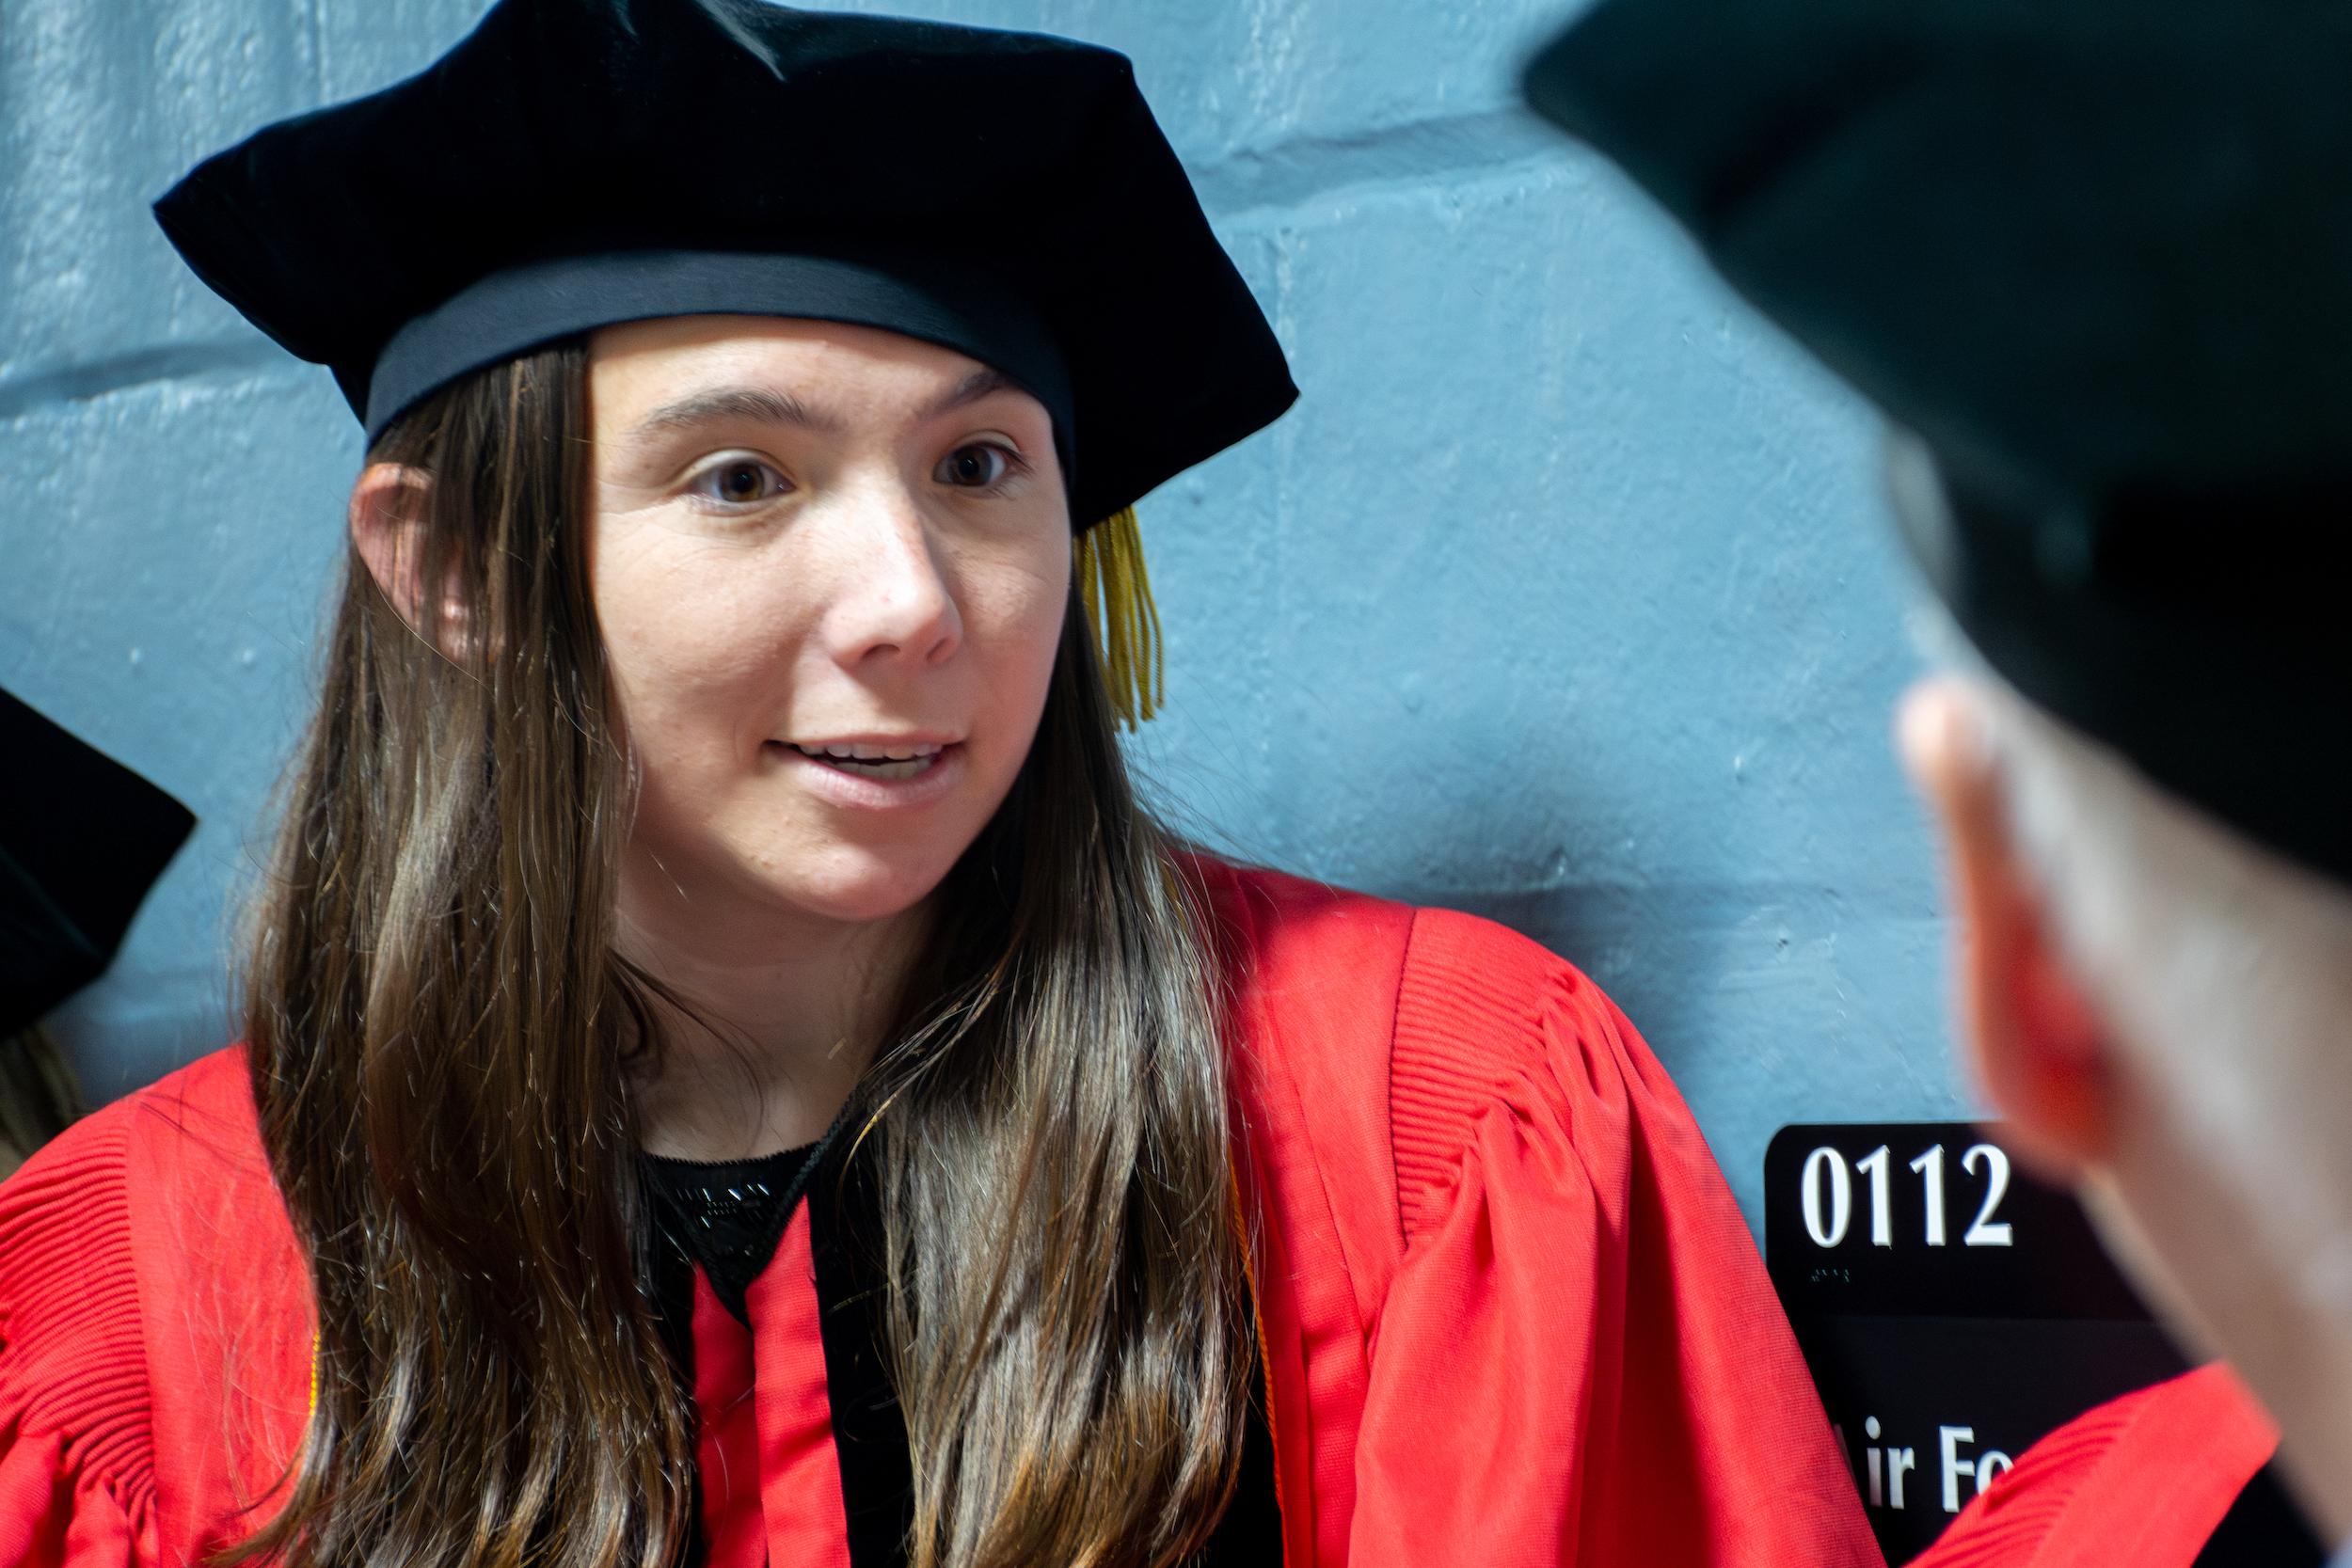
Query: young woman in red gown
730	1073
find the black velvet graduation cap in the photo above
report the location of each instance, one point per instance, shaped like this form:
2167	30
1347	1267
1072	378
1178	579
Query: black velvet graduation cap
576	163
2097	254
82	839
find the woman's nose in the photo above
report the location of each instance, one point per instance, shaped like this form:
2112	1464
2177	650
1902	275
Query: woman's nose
898	600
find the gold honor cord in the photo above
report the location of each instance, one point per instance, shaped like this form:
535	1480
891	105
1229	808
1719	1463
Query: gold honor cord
1117	592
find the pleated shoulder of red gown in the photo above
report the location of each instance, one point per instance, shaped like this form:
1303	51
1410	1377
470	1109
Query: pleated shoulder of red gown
120	1241
1554	1337
1420	1024
77	1455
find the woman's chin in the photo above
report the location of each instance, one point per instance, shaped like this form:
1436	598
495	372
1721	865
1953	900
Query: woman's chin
703	890
860	892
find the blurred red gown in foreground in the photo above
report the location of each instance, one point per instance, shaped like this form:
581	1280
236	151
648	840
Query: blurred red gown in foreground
2141	1481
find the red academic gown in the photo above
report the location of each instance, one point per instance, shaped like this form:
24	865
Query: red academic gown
2141	1481
1510	1313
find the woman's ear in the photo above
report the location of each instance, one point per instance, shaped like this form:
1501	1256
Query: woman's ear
2040	1049
389	508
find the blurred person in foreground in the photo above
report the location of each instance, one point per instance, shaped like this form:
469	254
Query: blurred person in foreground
2094	258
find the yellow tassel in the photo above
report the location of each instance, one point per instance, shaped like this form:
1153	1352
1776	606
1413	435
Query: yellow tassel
1117	592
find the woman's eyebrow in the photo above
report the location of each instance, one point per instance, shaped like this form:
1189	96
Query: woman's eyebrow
770	406
973	387
763	404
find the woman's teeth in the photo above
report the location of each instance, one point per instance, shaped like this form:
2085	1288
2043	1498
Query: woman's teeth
875	762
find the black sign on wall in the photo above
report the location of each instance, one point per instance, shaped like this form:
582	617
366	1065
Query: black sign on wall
1954	1311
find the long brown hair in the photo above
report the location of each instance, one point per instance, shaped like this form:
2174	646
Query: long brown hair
443	1040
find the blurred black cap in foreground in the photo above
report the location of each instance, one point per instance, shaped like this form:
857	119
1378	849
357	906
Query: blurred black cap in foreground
2097	254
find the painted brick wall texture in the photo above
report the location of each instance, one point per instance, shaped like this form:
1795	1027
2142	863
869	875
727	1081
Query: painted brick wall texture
1564	597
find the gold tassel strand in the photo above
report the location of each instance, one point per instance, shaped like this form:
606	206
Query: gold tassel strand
1115	589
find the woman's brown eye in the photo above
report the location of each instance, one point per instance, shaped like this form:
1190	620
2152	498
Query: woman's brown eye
975	468
740	484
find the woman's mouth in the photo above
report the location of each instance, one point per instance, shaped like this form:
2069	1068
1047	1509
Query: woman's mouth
910	760
876	772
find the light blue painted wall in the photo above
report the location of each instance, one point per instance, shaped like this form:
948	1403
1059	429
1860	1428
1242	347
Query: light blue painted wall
1564	597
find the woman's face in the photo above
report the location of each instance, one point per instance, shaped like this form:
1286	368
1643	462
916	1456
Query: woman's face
831	565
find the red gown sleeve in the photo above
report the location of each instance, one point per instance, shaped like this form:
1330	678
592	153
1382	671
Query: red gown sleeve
76	1468
2143	1481
1580	1359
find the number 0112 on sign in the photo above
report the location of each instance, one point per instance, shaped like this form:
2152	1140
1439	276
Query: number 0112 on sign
1826	1196
1954	1310
1928	1218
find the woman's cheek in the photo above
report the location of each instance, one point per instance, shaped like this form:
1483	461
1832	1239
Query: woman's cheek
1033	629
694	681
1036	593
680	616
